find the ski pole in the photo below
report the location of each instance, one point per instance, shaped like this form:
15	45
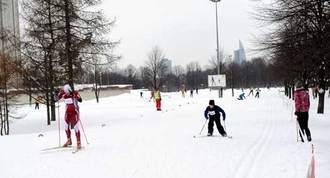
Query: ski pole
297	130
224	125
82	127
59	125
203	127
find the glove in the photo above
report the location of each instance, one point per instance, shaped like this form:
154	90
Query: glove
296	113
206	118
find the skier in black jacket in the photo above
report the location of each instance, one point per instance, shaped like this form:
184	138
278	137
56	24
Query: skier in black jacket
212	112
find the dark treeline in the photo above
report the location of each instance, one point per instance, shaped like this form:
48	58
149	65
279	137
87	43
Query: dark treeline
254	73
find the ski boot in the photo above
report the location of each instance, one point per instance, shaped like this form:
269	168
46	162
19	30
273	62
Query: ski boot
78	145
309	138
68	143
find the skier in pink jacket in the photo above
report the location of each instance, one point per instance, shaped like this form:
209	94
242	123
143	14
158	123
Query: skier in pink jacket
301	99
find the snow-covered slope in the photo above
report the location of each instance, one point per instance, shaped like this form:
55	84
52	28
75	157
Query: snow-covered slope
130	139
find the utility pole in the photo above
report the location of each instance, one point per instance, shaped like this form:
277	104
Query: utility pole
217	34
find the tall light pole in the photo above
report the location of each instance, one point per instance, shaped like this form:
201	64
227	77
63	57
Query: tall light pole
217	34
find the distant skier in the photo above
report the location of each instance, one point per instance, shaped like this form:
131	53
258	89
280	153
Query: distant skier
71	99
182	92
251	92
191	93
37	102
241	96
302	104
141	94
158	99
257	92
212	112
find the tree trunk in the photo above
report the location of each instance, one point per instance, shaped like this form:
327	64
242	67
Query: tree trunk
30	95
96	84
1	118
68	43
6	112
50	68
320	107
48	106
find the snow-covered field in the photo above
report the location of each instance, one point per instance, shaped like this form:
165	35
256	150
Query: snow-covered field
130	139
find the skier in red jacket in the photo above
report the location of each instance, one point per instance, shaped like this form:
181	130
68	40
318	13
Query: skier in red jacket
302	104
71	99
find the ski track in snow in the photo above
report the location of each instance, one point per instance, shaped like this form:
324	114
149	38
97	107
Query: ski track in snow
139	142
246	166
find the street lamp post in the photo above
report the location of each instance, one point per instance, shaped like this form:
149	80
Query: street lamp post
217	34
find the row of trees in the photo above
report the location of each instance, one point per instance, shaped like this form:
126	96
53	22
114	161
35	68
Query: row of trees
155	73
299	41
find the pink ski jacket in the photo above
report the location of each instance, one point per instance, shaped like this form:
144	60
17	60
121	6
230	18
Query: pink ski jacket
301	99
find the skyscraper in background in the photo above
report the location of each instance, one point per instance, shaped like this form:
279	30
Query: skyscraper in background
239	54
168	64
9	27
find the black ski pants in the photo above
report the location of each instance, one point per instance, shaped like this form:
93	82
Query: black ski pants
302	118
218	123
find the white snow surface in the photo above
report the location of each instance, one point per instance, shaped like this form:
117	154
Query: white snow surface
130	139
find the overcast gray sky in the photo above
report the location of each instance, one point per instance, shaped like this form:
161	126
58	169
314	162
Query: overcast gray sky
183	29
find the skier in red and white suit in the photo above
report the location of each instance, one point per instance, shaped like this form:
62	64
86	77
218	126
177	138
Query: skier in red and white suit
71	99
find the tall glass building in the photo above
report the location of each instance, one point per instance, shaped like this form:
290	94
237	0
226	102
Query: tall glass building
239	54
9	27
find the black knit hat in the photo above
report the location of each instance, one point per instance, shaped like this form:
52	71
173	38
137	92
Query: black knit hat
211	102
299	85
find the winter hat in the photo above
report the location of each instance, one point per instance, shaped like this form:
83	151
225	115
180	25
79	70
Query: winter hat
211	102
67	89
299	85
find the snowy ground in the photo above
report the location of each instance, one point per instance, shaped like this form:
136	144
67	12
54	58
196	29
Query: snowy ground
130	139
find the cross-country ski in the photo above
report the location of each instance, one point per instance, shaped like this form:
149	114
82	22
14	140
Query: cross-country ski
205	136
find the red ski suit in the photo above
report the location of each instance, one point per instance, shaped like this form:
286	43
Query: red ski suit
71	113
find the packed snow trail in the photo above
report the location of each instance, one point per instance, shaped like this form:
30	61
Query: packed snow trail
130	139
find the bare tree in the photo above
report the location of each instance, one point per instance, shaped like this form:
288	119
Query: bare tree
156	67
98	65
62	37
